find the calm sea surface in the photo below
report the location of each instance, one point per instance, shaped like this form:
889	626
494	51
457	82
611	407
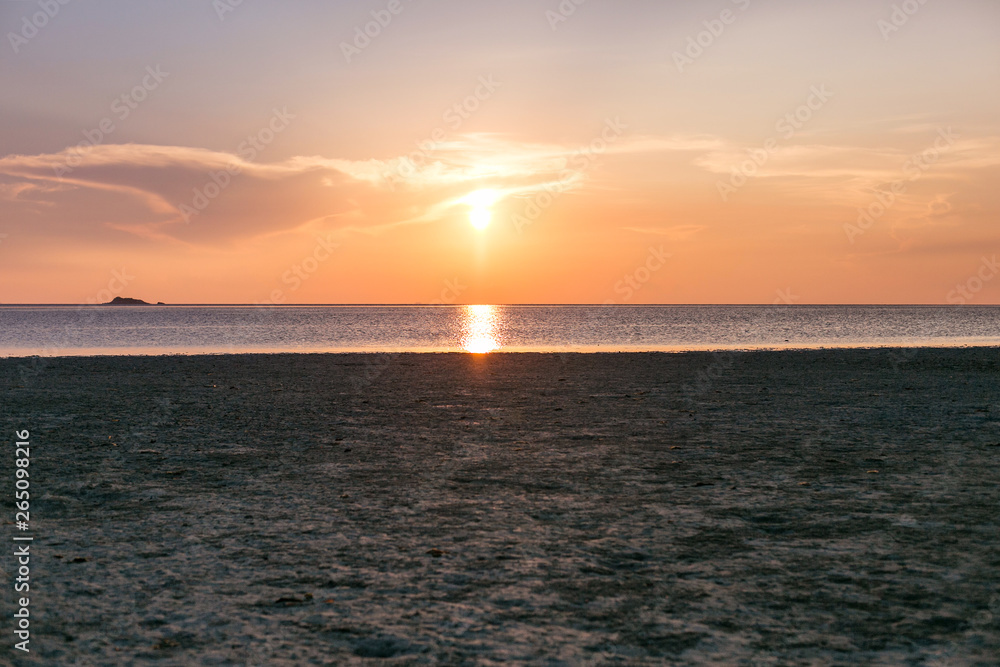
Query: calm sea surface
75	330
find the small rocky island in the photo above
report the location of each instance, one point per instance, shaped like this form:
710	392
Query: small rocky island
128	301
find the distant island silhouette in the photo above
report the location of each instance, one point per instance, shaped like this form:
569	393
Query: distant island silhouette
128	301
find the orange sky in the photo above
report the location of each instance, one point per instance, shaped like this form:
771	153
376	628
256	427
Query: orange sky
734	151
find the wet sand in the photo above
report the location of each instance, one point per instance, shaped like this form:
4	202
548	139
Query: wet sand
820	507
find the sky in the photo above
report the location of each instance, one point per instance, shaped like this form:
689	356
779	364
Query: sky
437	151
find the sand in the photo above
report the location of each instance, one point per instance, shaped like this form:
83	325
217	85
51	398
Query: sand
820	507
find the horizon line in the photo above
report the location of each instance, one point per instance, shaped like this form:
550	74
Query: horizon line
506	305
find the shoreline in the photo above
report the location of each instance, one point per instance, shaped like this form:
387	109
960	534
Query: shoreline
90	354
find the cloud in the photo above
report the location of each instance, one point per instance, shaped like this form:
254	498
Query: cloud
200	196
673	233
190	195
849	162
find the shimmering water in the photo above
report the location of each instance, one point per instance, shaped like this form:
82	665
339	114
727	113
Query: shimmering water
75	330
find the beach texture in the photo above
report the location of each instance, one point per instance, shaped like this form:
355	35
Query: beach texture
787	508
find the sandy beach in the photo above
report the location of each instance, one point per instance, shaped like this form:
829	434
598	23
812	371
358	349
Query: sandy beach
757	508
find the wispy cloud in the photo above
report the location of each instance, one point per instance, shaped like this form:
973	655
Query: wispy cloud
148	190
143	189
672	233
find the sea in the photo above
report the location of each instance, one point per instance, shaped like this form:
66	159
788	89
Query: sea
156	330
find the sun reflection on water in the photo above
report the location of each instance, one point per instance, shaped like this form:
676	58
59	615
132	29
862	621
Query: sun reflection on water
480	326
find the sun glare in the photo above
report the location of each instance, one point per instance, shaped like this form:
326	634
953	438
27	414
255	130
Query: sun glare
479	329
480	217
480	202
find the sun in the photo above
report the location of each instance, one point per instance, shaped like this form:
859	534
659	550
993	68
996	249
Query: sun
480	203
480	217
